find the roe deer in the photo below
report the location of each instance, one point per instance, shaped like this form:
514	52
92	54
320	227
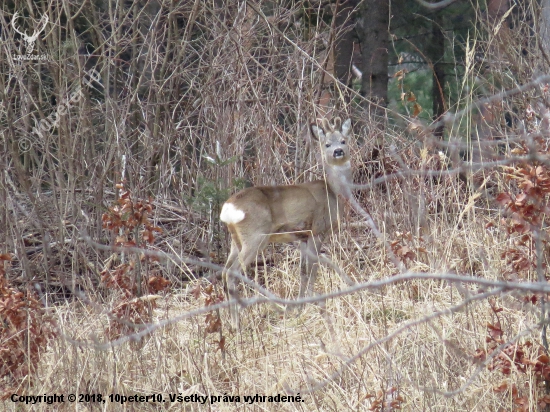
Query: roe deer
304	212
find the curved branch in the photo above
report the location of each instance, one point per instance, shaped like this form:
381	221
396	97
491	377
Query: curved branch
435	6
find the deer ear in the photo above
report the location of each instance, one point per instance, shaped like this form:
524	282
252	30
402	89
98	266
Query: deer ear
337	123
346	127
317	132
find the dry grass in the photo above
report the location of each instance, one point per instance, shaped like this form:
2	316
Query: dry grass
417	337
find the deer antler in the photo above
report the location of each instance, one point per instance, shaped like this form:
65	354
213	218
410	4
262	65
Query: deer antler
327	126
337	123
13	24
42	24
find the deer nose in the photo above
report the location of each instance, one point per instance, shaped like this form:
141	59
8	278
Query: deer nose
338	153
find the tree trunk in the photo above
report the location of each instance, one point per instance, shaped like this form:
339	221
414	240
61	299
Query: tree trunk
436	52
544	28
372	31
343	45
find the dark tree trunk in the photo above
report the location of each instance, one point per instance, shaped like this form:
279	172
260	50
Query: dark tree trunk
343	45
372	31
436	53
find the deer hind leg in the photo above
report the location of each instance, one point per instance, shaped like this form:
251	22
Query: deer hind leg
232	264
309	265
251	246
229	280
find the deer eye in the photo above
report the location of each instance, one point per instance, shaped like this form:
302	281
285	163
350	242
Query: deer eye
343	142
327	145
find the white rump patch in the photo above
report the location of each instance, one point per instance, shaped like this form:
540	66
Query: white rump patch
230	214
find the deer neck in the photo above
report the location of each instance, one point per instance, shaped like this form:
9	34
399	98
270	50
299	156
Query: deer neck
339	177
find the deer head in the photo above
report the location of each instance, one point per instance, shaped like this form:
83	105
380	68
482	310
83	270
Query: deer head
335	151
30	40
